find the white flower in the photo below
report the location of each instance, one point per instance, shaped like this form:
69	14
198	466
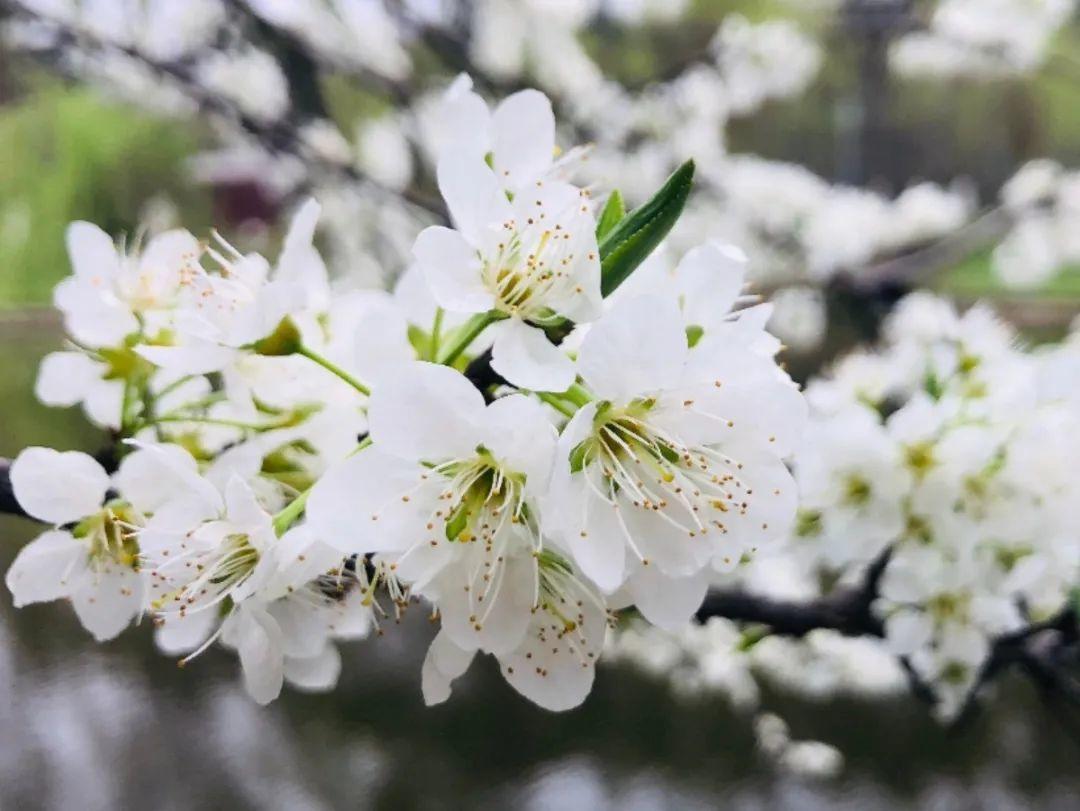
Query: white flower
449	491
554	663
533	260
676	466
221	313
852	482
113	295
95	563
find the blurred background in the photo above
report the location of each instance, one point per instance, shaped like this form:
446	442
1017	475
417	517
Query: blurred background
856	149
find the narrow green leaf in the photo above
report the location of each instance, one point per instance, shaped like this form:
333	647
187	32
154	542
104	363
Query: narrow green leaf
614	211
637	235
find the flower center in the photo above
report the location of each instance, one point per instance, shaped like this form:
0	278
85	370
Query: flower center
696	489
528	269
480	497
110	537
219	572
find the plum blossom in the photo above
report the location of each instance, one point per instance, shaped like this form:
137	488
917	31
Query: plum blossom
91	557
670	472
532	261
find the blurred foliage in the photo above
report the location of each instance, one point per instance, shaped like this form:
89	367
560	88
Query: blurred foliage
71	155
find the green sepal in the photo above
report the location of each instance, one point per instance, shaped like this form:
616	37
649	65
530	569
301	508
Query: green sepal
612	214
284	340
694	332
637	235
459	519
577	456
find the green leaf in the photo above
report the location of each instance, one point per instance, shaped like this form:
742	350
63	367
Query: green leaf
637	235
612	215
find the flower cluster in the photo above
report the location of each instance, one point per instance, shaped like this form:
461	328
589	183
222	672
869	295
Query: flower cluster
501	437
949	446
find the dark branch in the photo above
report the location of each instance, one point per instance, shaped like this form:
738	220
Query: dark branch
8	504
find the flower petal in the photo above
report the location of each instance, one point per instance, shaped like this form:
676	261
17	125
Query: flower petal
426	412
92	253
667	602
444	662
64	377
452	269
638	347
58	487
315	674
473	194
523	137
46	568
108	599
259	646
524	356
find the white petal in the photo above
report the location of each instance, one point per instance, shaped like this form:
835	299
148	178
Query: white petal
525	357
317	674
426	412
908	631
92	316
555	667
169	252
259	646
710	278
523	137
667	602
184	633
63	378
493	620
638	347
149	477
46	568
103	401
108	600
444	662
452	269
371	483
303	632
473	194
92	252
58	487
193	358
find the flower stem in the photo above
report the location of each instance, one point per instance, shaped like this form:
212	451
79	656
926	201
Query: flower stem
247	426
436	330
557	402
577	395
333	368
466	334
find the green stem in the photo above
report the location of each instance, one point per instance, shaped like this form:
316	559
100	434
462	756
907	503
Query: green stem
247	426
466	334
577	395
436	329
556	402
287	517
333	368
